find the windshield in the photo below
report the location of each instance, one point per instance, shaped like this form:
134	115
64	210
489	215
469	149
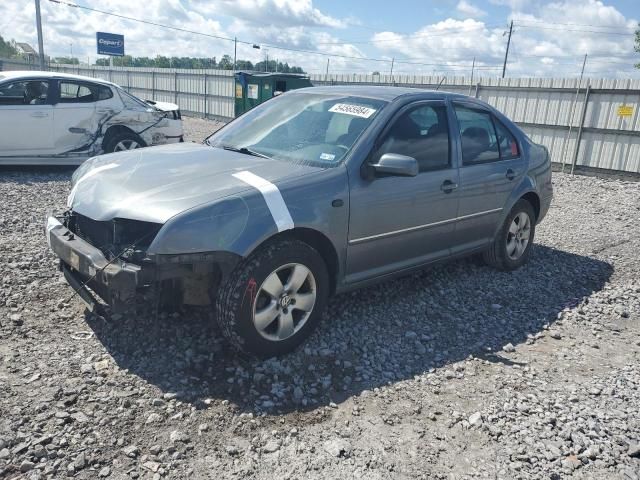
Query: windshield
308	128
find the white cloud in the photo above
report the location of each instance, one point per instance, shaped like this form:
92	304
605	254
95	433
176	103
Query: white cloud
470	10
271	12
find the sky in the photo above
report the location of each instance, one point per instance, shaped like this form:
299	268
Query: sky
550	38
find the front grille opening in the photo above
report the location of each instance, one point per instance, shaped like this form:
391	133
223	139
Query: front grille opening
113	236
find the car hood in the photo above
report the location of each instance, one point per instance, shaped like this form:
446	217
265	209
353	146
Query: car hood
156	183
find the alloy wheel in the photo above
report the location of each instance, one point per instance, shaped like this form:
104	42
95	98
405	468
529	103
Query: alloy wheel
126	145
518	236
284	302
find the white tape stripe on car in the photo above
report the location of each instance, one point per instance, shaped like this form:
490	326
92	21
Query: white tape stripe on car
272	197
52	222
89	174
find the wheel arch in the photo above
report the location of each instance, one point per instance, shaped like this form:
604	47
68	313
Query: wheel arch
534	199
317	240
115	130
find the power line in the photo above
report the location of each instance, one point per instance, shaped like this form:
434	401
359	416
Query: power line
405	61
522	25
442	33
617	27
275	47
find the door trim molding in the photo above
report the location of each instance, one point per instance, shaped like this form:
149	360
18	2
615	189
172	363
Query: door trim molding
356	241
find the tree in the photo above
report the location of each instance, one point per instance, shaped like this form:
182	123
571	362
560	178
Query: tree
637	46
7	50
66	60
225	63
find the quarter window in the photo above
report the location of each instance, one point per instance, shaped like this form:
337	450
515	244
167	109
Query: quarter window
25	92
422	133
506	141
478	136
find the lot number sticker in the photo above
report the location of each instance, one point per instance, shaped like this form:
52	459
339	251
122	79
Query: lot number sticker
355	110
625	111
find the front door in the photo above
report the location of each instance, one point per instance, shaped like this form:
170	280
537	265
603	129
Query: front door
26	118
491	168
399	222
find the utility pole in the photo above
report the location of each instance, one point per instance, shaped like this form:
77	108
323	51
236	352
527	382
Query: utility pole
39	28
326	75
573	108
473	67
235	52
391	72
506	54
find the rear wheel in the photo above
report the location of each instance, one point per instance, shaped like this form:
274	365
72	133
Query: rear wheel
123	140
272	302
512	246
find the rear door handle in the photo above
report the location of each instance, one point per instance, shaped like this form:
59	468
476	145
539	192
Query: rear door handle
39	114
510	174
448	186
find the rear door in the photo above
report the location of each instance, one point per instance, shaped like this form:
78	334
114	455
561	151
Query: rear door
26	118
491	168
75	114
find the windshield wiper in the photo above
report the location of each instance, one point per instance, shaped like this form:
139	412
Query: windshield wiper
244	151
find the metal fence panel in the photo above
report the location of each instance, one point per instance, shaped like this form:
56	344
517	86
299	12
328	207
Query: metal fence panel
541	106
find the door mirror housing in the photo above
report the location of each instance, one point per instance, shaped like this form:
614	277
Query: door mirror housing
396	165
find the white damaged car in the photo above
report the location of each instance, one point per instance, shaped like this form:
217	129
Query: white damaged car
49	118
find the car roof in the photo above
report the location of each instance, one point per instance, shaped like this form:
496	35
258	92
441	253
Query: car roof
380	92
18	74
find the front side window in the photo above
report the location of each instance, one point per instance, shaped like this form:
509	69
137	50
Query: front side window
24	92
422	133
307	128
478	136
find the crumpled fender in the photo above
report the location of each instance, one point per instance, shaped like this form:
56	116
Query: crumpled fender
228	225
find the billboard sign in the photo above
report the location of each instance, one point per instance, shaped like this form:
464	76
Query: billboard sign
110	44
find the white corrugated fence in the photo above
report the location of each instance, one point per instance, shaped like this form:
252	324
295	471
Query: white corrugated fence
605	125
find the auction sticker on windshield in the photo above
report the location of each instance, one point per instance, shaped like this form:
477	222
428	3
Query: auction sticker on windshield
356	110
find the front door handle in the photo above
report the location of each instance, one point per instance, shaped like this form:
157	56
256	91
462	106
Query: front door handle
510	174
448	186
39	114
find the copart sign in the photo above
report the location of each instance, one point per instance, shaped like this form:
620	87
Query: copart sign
110	44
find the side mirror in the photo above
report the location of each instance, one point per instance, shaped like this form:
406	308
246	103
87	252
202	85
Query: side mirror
397	165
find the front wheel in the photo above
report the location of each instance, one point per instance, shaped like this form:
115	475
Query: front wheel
512	246
273	300
121	141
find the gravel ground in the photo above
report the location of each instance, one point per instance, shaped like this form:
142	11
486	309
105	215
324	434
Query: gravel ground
197	129
454	373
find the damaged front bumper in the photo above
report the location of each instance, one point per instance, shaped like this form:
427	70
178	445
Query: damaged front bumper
87	270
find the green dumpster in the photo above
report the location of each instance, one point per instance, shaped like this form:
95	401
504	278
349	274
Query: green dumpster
253	88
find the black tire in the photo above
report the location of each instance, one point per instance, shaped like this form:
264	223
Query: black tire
238	294
497	255
112	140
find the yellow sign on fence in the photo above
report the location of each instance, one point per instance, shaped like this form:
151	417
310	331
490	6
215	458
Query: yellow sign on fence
625	111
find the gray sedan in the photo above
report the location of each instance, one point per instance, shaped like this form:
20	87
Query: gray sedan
317	191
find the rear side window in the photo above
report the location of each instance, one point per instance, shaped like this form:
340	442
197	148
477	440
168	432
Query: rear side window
24	92
506	141
422	133
478	136
75	92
